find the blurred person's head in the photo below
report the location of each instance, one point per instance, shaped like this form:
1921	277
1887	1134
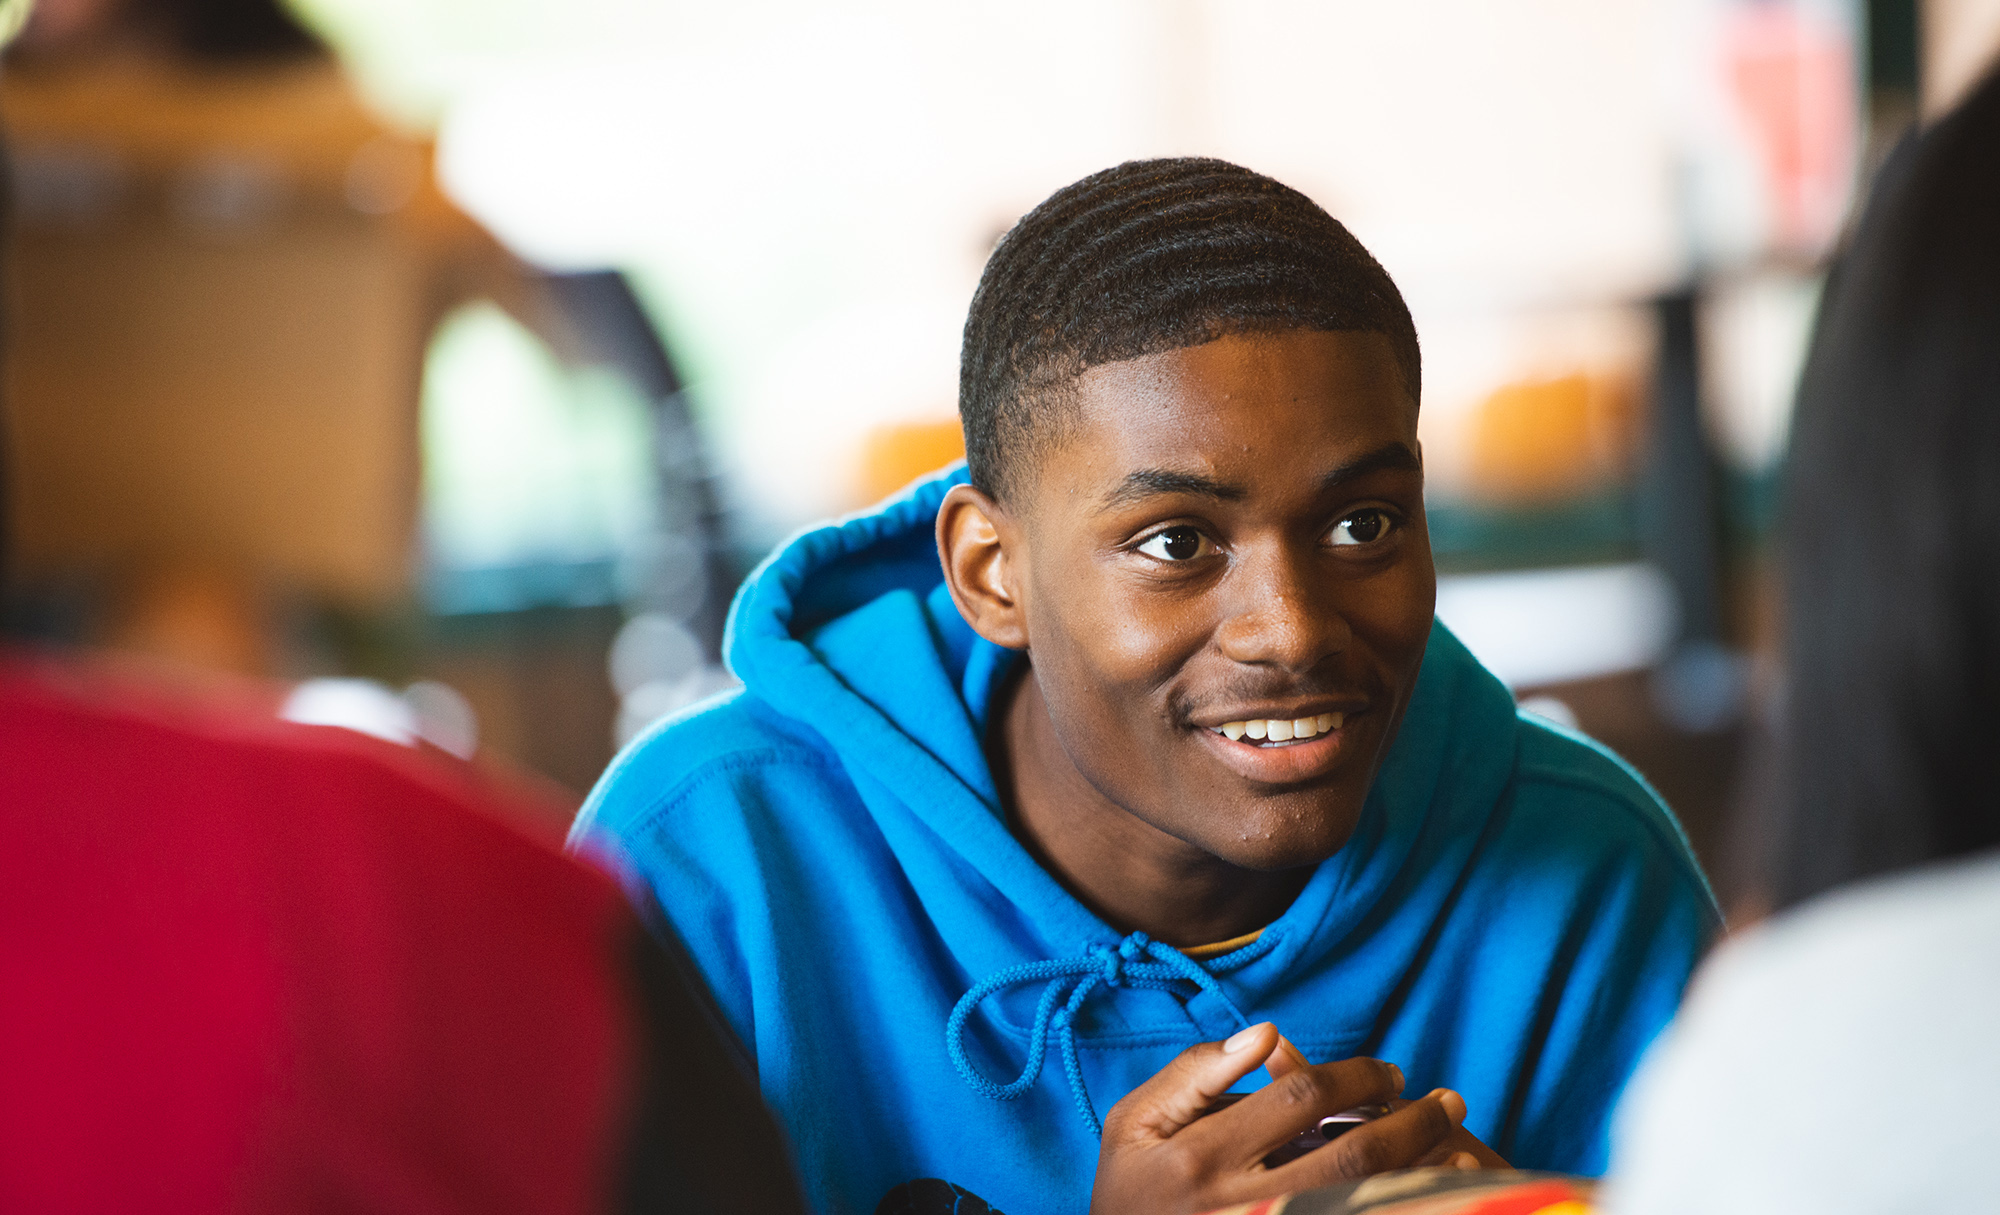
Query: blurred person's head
1891	562
1190	406
199	30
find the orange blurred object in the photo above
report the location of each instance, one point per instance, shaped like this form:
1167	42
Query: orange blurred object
893	456
1547	439
193	616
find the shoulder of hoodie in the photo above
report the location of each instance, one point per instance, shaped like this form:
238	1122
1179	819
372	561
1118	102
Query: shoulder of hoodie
727	735
1570	783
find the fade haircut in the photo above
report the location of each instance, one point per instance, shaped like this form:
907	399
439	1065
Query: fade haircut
1151	256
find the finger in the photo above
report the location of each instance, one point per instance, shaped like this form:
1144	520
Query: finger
1465	1144
1398	1140
1439	1157
1483	1157
1457	1141
1286	1059
1246	1132
1183	1090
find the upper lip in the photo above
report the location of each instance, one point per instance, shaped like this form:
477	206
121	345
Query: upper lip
1280	711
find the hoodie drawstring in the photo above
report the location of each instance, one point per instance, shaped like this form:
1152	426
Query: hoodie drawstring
1138	961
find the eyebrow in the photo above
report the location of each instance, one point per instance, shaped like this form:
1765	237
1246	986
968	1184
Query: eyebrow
1396	457
1155	482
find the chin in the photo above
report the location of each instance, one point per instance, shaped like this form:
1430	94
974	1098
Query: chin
1278	847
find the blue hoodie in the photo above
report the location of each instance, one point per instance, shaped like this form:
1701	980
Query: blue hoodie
1515	916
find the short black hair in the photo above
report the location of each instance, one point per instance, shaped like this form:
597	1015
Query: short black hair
1150	256
1891	533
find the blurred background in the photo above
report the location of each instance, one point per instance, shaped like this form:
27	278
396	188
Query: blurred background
445	364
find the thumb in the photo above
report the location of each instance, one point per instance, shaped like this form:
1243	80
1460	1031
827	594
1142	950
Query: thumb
1183	1090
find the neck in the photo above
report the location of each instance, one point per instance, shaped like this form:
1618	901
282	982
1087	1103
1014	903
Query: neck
1132	874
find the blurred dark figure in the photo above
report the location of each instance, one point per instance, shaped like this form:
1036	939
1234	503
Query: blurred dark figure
228	270
1841	1056
1891	547
187	29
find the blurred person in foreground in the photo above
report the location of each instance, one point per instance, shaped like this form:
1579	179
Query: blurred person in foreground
1065	781
252	965
1844	1055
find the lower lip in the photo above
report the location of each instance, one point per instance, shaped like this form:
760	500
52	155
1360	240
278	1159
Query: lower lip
1280	765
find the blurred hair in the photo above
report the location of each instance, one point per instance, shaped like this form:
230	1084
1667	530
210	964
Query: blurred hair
1150	256
229	30
1890	754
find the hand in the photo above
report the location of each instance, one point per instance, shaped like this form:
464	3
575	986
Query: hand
1164	1154
1461	1149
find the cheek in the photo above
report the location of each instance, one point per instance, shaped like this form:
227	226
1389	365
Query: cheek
1393	613
1104	654
1122	641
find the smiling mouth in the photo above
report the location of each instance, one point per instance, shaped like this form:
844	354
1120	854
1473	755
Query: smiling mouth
1278	732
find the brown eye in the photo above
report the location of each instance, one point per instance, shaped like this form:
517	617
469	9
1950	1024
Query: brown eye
1177	544
1362	527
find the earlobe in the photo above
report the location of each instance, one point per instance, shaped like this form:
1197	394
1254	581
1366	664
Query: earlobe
977	544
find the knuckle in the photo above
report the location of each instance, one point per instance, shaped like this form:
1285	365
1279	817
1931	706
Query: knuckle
1363	1155
1307	1087
1115	1118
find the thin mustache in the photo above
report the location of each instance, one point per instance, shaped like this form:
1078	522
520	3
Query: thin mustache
1186	708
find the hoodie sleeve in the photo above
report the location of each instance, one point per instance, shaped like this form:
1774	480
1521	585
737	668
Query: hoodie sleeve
677	866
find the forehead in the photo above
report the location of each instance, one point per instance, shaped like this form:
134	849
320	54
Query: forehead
1275	409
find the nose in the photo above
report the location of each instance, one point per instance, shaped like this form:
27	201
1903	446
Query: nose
1282	612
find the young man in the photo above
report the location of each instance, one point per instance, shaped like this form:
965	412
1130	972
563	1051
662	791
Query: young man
1138	733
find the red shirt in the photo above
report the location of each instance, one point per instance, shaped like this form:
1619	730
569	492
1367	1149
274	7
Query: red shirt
247	964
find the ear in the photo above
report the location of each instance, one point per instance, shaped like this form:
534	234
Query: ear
980	546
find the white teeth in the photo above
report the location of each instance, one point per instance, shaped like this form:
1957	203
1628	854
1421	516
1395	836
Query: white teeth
1280	731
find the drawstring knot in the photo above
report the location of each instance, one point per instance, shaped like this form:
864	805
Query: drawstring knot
1131	949
1137	961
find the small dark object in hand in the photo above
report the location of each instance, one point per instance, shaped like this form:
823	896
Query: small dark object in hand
1329	1128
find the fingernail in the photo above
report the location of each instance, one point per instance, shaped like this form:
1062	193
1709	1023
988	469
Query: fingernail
1454	1105
1465	1160
1297	1056
1396	1073
1242	1038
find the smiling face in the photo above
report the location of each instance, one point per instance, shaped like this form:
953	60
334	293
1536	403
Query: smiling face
1229	543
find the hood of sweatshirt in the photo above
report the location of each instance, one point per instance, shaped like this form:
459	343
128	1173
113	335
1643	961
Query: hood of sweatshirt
849	630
